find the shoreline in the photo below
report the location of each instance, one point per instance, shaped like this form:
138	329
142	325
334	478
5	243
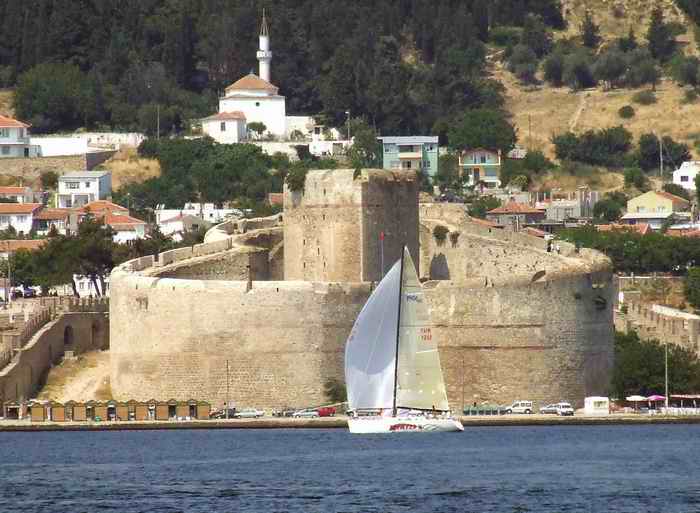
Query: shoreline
339	422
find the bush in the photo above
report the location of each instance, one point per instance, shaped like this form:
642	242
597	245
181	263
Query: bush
626	112
635	177
536	162
577	72
296	178
690	96
440	233
505	36
554	69
644	98
606	147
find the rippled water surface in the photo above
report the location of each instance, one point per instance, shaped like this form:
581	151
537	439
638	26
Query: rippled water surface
544	469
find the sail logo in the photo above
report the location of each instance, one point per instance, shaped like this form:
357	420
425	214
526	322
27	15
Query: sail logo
404	426
417	298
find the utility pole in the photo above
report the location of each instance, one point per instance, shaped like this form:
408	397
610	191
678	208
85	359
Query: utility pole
158	121
529	132
666	373
227	389
661	159
8	289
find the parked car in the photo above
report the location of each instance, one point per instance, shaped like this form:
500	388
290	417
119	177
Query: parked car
520	407
326	411
305	413
564	409
248	413
549	409
29	293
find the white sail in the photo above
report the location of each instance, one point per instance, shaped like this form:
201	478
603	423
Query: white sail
420	382
370	352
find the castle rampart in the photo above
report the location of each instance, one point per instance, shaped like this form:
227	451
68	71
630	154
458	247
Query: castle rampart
513	321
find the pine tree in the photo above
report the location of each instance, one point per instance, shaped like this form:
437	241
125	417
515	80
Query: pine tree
590	32
661	41
480	13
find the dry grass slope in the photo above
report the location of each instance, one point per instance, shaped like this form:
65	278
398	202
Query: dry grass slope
82	379
6	101
543	111
127	167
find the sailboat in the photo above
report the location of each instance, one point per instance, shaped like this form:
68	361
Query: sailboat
392	366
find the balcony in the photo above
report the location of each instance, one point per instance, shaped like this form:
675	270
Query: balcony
411	155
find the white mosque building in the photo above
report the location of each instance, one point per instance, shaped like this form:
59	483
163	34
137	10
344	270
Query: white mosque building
254	98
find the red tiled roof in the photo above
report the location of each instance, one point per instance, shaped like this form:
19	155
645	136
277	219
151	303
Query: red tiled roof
513	207
484	222
672	197
9	246
99	207
683	232
6	122
641	228
50	214
252	82
225	116
18	208
534	232
275	198
12	190
122	222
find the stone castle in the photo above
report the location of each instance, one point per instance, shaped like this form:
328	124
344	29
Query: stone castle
261	310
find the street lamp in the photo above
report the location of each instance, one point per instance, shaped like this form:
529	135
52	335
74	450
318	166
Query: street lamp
347	113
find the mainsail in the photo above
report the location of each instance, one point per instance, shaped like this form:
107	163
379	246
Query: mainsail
420	382
372	378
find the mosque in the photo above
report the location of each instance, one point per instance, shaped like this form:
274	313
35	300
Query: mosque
254	99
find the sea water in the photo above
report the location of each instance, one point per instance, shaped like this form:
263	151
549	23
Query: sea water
515	469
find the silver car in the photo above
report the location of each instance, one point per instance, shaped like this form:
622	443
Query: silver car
549	409
248	413
305	413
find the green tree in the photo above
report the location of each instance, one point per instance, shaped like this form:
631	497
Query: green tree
610	68
578	73
536	162
659	36
554	69
692	287
482	128
536	36
627	43
365	152
480	206
635	177
590	32
257	127
676	190
607	210
49	180
449	175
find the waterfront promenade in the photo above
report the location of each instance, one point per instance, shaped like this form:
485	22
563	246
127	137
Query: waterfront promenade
341	422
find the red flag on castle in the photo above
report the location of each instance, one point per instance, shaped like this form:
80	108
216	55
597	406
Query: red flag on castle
381	235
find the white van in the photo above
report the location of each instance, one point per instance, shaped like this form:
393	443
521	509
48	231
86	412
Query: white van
520	407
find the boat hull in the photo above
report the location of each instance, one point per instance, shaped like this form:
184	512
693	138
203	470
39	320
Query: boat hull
370	425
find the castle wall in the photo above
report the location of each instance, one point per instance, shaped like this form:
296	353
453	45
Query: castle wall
282	340
75	331
332	228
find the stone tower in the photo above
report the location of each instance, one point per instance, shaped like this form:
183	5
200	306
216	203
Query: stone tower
337	228
264	54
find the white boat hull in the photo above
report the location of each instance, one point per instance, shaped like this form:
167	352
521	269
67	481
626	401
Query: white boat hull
370	425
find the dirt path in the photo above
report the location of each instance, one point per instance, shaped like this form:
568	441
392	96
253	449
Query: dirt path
82	379
577	115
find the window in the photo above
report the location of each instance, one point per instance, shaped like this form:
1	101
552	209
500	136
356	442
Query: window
257	104
87	185
684	178
223	126
4	132
426	164
483	159
5	150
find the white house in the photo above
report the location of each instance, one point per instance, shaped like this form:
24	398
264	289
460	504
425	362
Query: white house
14	139
685	175
18	215
207	212
79	188
176	226
63	220
126	228
18	194
225	127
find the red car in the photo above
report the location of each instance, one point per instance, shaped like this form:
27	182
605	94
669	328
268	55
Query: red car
326	411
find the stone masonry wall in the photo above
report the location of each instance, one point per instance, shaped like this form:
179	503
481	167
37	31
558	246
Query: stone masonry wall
332	229
77	332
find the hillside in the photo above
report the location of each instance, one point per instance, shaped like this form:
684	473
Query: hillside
6	102
539	112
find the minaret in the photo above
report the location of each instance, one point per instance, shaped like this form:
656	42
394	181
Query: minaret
264	53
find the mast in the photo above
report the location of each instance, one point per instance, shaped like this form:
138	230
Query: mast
398	330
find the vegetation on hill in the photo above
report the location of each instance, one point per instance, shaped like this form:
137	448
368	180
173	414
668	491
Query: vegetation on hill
404	66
